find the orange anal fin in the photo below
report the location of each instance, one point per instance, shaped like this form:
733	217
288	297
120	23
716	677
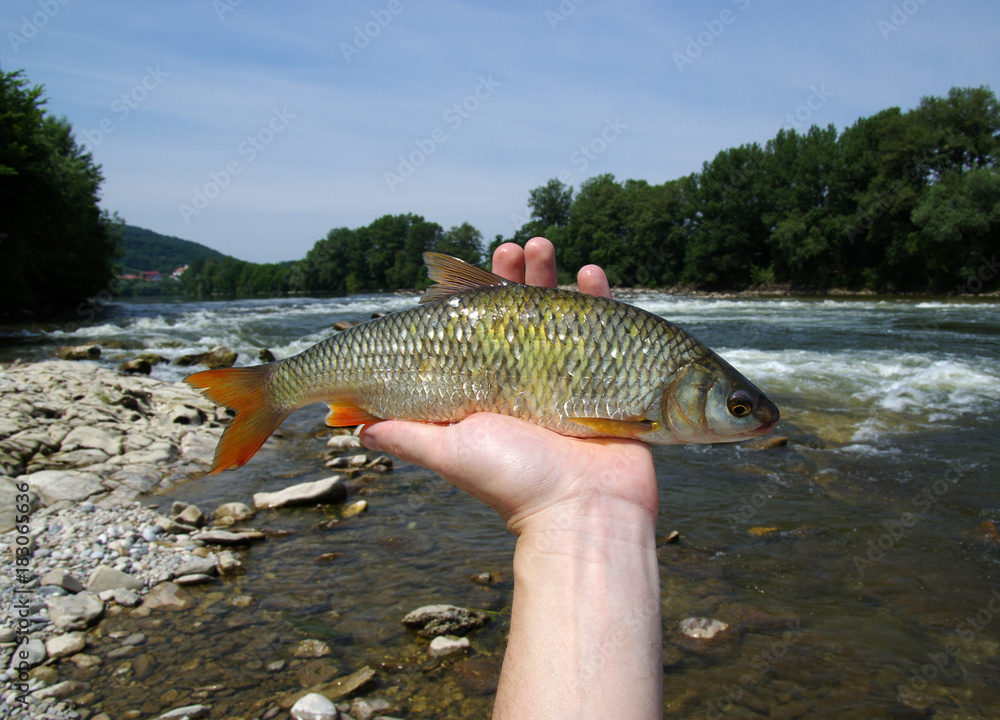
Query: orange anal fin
244	390
605	427
345	412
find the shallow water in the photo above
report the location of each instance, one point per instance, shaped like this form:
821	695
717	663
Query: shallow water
863	536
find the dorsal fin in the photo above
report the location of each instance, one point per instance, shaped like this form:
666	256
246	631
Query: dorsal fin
451	275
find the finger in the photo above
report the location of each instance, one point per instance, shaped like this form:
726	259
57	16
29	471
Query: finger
539	263
508	262
593	281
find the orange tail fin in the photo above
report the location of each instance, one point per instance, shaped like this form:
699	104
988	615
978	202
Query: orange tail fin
245	391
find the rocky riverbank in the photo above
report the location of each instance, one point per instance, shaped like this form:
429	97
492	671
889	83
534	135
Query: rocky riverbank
79	447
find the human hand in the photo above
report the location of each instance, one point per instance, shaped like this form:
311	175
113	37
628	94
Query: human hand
523	471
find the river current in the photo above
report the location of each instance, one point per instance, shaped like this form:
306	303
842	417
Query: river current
859	564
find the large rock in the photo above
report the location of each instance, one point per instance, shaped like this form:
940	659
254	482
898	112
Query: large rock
328	490
55	485
92	437
435	620
107	578
75	612
167	596
78	352
27	655
217	357
231	513
71	643
62	579
9	504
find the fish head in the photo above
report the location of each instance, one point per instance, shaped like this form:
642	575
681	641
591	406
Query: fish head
709	401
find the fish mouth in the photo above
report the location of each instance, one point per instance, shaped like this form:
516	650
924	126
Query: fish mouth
768	425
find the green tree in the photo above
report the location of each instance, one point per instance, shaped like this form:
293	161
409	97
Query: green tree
462	241
59	248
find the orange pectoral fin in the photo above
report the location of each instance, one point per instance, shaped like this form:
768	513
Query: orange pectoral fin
346	412
605	427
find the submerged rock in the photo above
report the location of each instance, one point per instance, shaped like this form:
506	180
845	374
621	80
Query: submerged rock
445	645
232	512
700	628
435	620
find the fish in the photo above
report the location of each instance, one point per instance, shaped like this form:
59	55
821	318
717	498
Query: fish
577	364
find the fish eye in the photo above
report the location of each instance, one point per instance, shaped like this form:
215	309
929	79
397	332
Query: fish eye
740	403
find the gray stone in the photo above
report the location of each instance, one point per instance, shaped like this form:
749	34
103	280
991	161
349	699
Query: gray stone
192	516
27	655
434	620
344	442
198	566
229	563
224	537
64	689
311	648
62	579
167	596
700	628
78	352
187	415
75	612
217	357
142	478
7	635
191	712
444	645
107	578
232	512
328	490
348	461
55	485
314	707
198	448
91	437
63	645
193	579
121	596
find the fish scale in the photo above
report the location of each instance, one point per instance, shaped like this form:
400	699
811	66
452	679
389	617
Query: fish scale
578	364
513	349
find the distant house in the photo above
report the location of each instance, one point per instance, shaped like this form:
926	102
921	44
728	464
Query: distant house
130	277
178	272
152	275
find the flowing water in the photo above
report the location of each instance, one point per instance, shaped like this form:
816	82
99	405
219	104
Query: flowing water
859	562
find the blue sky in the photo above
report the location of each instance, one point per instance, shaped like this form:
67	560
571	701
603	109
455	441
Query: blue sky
254	127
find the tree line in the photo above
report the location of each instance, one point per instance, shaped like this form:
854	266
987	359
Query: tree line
897	202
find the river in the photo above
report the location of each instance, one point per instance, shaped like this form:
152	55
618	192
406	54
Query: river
859	562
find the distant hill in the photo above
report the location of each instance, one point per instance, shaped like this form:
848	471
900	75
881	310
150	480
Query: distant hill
148	250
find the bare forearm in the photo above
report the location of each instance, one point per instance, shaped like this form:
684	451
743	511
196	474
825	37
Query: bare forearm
585	628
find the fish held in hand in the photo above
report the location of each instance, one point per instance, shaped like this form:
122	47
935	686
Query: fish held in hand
580	365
